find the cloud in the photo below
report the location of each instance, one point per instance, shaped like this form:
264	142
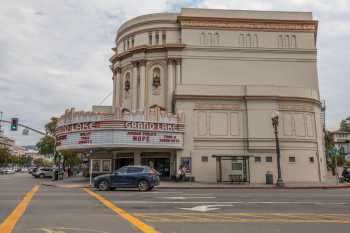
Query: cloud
54	54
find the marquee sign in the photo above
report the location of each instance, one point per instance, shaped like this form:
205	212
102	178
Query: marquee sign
119	133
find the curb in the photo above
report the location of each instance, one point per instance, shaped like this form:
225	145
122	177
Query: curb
211	187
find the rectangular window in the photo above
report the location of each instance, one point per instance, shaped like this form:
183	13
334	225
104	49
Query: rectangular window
163	38
128	46
106	165
204	158
132	42
268	159
311	159
237	166
257	159
150	38
292	159
96	165
124	45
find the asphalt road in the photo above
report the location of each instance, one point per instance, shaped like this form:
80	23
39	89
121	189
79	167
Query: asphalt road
61	210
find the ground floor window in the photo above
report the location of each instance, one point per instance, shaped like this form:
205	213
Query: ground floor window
234	169
101	165
159	161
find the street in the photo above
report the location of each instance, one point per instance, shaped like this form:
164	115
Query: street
73	210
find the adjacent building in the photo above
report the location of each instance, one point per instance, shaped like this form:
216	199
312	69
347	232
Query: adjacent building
198	89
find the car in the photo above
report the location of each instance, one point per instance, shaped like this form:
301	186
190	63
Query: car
33	170
43	172
142	177
24	169
9	171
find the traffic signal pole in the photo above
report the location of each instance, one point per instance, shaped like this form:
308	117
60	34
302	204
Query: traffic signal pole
36	131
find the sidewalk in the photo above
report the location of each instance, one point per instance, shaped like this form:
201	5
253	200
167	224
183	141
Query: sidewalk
83	182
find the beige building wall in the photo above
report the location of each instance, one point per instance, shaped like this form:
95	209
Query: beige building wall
227	71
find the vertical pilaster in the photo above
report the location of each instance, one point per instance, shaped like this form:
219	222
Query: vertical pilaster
142	66
114	89
134	87
171	84
178	72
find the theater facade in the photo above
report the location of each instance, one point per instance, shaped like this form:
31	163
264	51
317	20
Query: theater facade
198	88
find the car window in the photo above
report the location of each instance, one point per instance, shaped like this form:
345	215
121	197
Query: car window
134	169
121	170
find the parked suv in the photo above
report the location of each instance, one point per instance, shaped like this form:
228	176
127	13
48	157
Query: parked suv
43	172
142	177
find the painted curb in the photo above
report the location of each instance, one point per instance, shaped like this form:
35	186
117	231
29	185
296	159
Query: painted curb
210	187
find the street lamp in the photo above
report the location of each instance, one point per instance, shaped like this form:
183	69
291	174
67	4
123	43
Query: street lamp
275	119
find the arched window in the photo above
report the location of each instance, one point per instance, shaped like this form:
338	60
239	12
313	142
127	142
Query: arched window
217	39
280	41
249	41
241	40
202	38
287	41
255	41
156	78
210	38
294	41
127	82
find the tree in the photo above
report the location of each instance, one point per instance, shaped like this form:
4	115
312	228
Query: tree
46	144
40	162
5	157
345	125
328	140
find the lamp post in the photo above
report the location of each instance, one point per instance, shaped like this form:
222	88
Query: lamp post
275	121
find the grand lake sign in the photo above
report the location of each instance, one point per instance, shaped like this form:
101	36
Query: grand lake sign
81	130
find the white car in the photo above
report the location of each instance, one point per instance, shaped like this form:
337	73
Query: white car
9	171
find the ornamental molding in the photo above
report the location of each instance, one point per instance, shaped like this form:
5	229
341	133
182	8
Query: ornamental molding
250	24
211	106
296	107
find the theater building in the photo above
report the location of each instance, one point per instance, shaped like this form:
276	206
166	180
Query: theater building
198	88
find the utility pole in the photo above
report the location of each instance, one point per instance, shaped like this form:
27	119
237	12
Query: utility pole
36	131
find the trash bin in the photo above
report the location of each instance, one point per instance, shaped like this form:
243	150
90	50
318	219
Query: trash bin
269	177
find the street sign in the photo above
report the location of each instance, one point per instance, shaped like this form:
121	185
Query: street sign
25	132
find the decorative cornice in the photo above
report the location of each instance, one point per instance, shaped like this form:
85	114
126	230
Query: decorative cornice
146	49
249	24
153	29
218	97
123	30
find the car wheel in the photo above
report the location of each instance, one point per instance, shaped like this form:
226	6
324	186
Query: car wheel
143	185
42	176
103	185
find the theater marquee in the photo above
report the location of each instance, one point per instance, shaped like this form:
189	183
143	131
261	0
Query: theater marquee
119	133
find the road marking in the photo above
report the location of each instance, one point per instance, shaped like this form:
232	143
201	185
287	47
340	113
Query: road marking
245	217
177	202
183	198
135	221
231	202
204	208
8	225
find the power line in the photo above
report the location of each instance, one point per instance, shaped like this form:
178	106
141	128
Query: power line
106	97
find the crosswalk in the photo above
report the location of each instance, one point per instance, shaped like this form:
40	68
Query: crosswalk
243	218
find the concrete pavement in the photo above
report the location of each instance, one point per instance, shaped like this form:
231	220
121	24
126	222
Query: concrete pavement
67	210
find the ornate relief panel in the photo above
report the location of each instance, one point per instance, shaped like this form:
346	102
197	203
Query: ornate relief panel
298	124
217	123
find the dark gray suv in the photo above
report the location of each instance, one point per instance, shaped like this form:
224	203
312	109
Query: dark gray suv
142	177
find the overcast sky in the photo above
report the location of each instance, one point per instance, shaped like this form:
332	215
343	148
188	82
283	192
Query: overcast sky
54	54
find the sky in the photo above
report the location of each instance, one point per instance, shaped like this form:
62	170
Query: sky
54	54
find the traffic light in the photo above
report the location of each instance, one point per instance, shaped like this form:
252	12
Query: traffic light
14	124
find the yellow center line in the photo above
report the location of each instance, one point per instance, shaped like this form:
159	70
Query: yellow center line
9	224
130	218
